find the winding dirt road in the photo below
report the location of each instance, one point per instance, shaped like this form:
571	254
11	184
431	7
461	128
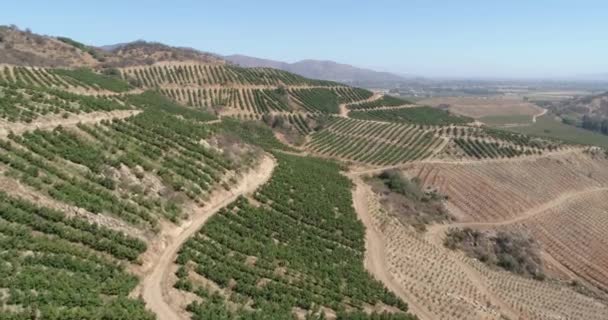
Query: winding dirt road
49	122
375	253
435	232
540	114
154	285
344	110
375	250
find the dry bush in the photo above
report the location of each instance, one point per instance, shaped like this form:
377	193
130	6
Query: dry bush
233	148
513	251
406	199
287	130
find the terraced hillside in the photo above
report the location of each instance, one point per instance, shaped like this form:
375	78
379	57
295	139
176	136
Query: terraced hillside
423	115
374	143
187	188
80	80
501	190
59	266
390	143
242	91
555	199
28	103
445	284
573	234
184	74
284	252
129	167
384	101
485	143
86	198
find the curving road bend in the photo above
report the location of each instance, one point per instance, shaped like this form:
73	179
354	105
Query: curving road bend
154	285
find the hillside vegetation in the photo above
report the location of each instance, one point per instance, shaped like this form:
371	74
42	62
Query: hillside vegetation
384	101
292	250
154	178
511	251
406	199
421	115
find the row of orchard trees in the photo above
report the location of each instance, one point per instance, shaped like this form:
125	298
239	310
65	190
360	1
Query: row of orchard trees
303	247
21	103
57	267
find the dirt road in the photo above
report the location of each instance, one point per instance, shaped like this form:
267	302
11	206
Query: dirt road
540	114
52	121
154	285
435	232
375	254
375	260
344	110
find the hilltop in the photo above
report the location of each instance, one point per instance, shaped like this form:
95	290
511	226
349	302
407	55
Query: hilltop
146	53
23	47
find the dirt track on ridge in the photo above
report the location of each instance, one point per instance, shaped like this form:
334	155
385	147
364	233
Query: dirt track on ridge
52	121
154	285
375	255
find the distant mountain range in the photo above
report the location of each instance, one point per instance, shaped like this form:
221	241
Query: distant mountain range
324	70
22	47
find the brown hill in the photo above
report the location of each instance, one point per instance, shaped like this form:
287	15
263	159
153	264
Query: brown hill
147	53
324	70
22	47
25	48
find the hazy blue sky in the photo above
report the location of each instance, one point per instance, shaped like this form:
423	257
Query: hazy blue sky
527	38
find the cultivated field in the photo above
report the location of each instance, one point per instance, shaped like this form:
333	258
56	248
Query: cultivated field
167	184
444	284
479	107
285	251
501	190
243	93
574	233
82	81
549	127
375	143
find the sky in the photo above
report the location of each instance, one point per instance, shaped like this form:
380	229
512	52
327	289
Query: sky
469	39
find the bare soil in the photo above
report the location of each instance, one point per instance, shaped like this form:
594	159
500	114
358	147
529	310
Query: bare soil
55	120
375	261
159	259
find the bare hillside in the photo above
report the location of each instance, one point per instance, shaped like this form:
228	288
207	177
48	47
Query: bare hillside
22	47
147	53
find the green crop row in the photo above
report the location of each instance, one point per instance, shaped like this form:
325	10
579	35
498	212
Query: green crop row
93	79
482	149
373	143
384	101
63	268
22	103
302	248
418	115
